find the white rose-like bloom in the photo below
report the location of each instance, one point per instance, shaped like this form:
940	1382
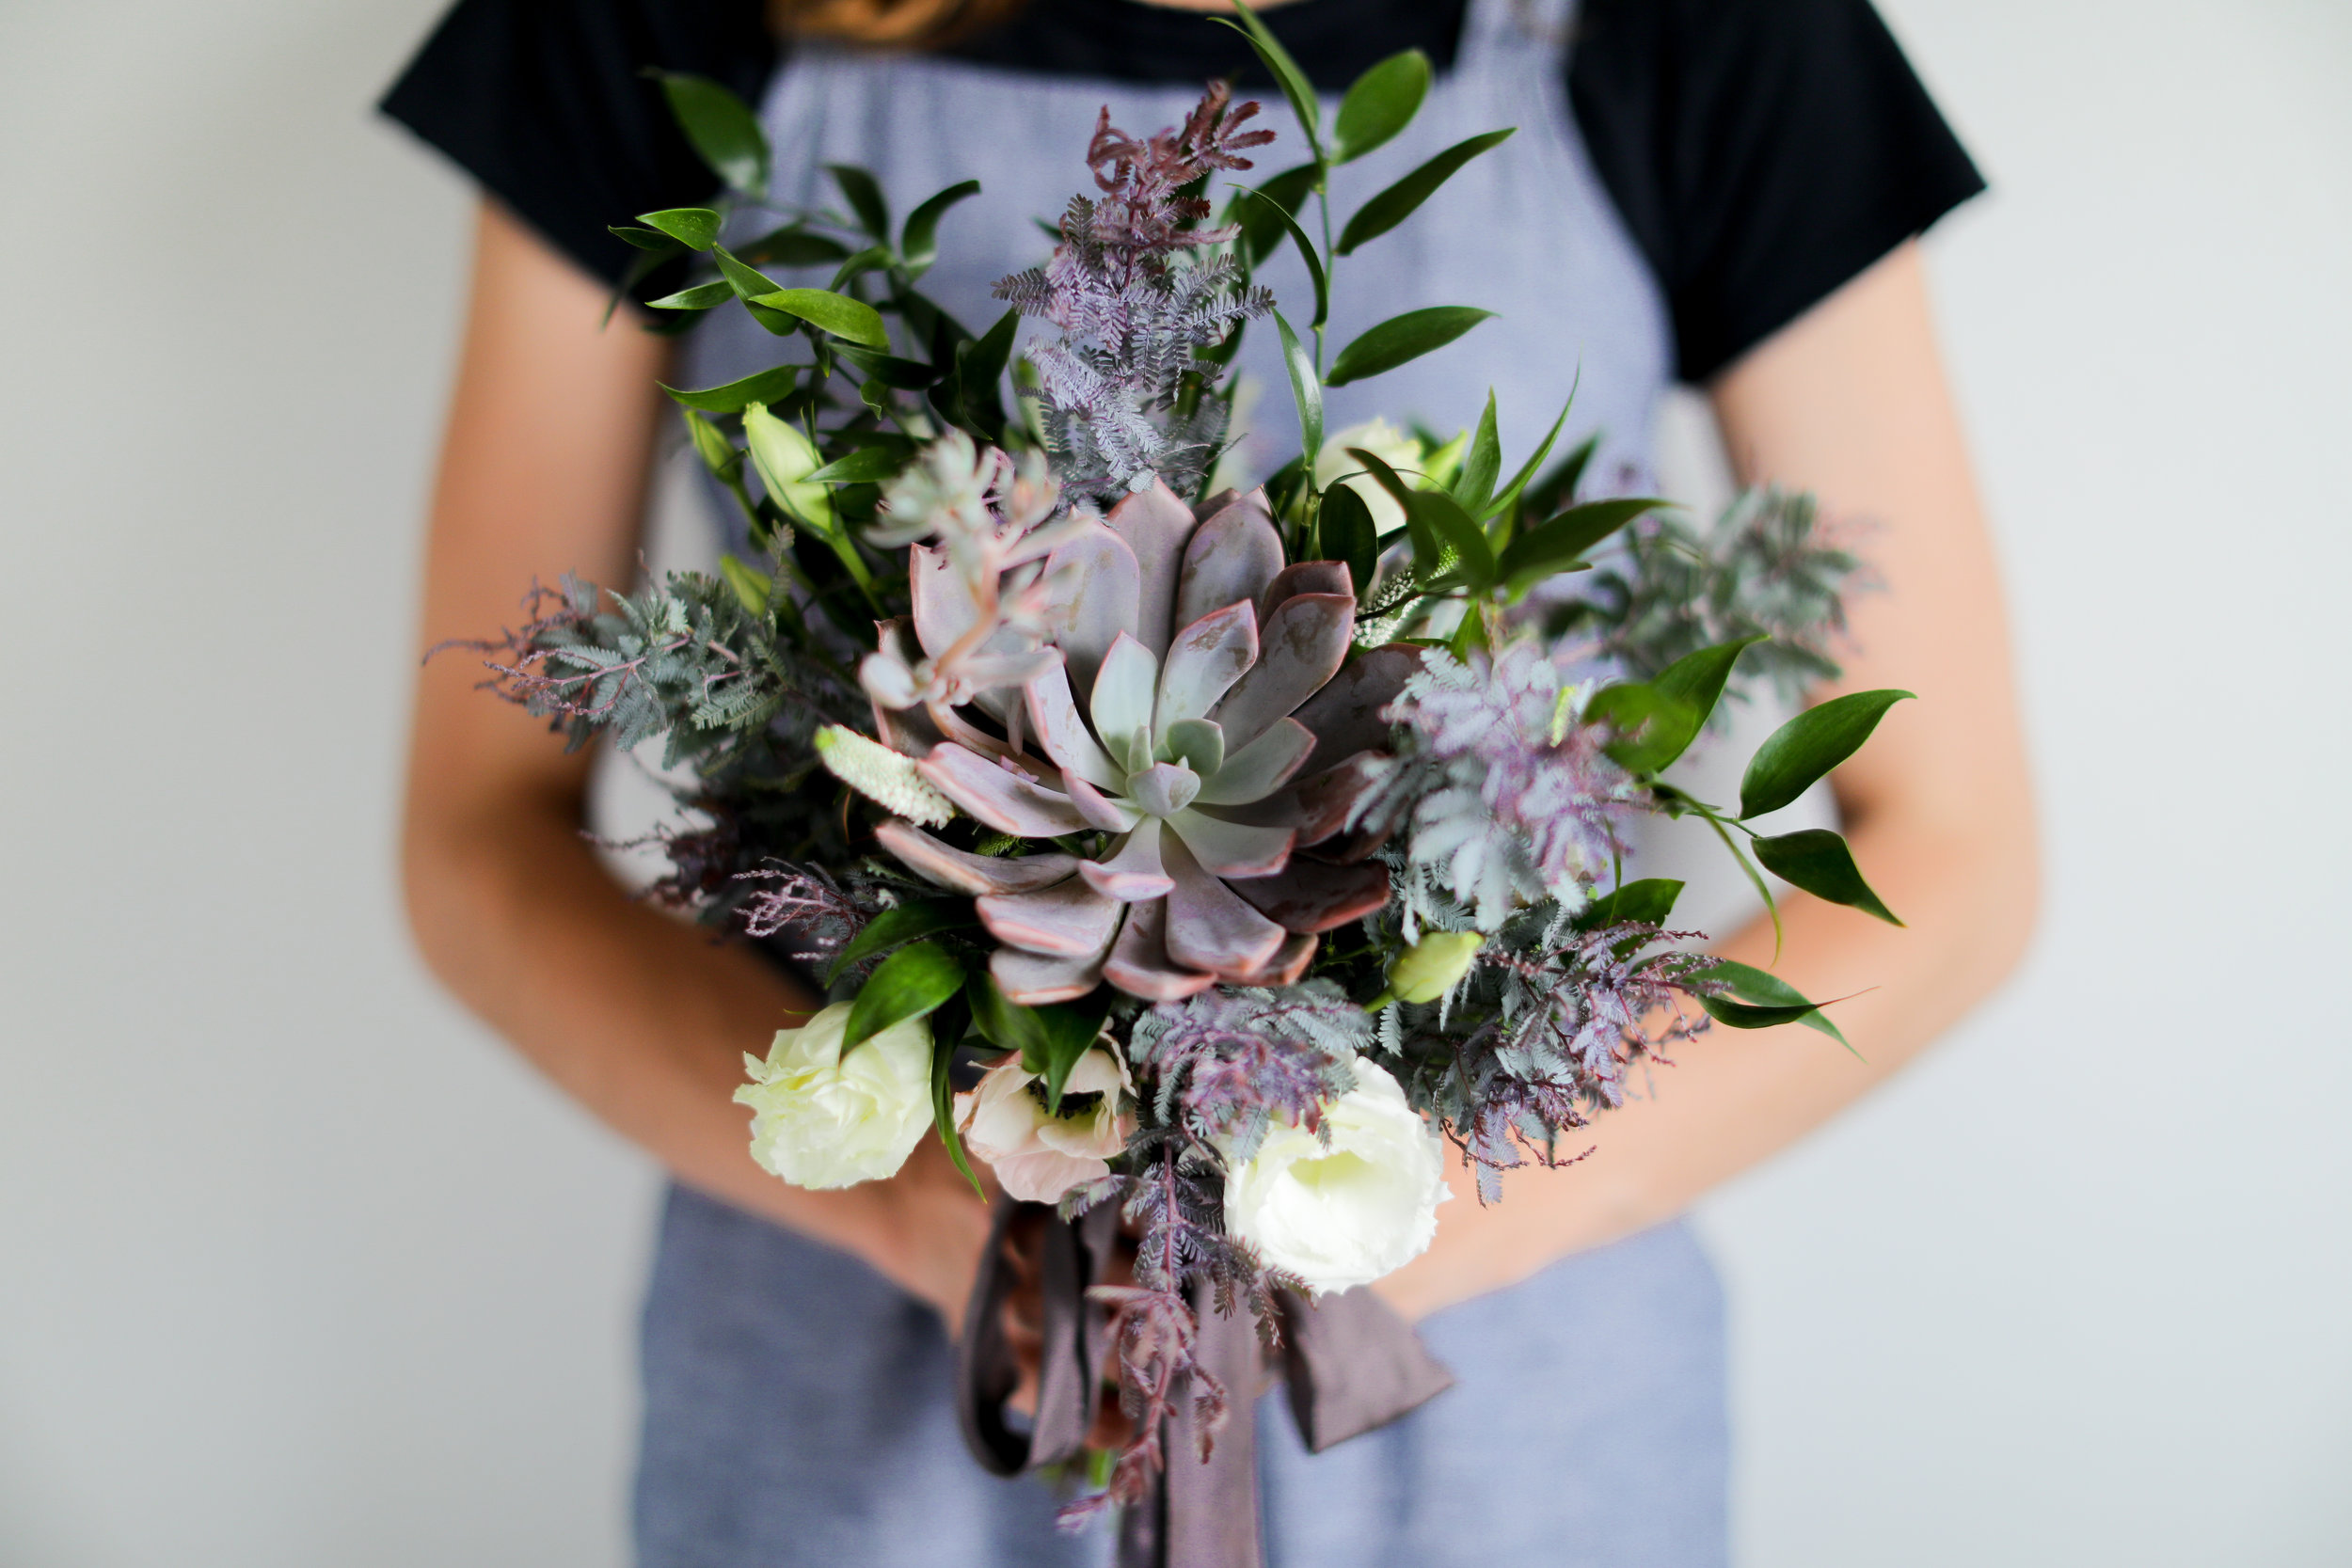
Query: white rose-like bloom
1343	1215
1039	1157
1388	443
822	1119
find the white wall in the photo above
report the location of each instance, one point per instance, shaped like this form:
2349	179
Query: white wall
296	1267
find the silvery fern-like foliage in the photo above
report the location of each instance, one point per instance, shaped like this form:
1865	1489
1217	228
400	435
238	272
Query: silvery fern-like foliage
1124	394
1229	1062
1541	1035
1503	798
1763	566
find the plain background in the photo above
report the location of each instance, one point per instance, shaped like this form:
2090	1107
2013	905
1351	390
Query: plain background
298	1267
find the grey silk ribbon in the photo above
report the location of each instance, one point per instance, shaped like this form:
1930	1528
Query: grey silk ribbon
1350	1364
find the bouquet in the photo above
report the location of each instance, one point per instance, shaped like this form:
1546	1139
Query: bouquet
1200	860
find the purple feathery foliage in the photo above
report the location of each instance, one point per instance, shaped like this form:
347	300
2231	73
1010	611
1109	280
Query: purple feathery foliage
1116	407
1508	799
1229	1062
1544	1038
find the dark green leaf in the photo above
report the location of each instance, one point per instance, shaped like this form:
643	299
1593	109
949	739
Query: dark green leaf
1648	902
865	196
1819	862
1444	521
908	984
1794	756
1050	1039
1652	727
838	314
696	227
1474	485
943	1109
1348	535
1306	249
792	246
979	367
918	243
1401	339
1527	470
1740	1015
701	297
1262	225
1558	487
897	926
644	239
1561	545
874	258
1698	677
1284	71
1382	101
772	385
1305	387
1006	1025
1768	989
908	375
1395	204
725	134
867	466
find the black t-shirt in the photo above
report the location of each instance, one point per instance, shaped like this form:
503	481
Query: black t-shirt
1762	152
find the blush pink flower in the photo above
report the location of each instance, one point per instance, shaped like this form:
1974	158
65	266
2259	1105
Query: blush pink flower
1038	1155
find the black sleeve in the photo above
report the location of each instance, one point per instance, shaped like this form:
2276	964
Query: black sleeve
546	103
1763	153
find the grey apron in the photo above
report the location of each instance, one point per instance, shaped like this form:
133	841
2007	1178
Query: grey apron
798	1408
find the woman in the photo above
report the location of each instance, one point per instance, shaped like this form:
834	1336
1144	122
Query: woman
1726	191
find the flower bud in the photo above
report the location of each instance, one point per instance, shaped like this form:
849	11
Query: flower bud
785	458
1432	966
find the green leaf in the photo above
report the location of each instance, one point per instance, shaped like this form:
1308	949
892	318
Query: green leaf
718	454
874	258
1284	71
643	239
1006	1025
1794	756
1698	677
696	227
1768	989
1739	1015
1381	103
1819	861
1649	901
701	297
1474	485
866	466
918	241
1652	727
792	246
1512	491
1443	519
1401	339
838	314
748	282
908	375
1305	387
1262	225
753	589
1348	535
1070	1029
979	367
1558	487
1305	250
944	1111
725	134
772	385
895	927
1561	545
1397	203
908	984
865	196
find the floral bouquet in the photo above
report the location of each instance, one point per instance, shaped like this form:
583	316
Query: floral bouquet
1200	861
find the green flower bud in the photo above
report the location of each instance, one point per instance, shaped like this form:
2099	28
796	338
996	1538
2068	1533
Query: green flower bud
1432	966
785	458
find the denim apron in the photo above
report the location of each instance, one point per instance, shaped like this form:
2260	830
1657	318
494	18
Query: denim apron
797	1404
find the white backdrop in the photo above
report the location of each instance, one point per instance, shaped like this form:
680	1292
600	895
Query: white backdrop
298	1267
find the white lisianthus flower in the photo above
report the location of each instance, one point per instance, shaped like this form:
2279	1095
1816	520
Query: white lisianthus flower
1039	1156
825	1119
1343	1215
1386	442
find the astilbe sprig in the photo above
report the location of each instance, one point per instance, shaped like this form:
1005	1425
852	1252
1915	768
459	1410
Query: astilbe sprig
1135	302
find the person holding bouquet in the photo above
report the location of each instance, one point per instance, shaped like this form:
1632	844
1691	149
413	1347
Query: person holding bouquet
1721	192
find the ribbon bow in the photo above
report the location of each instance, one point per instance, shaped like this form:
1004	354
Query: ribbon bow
1349	1362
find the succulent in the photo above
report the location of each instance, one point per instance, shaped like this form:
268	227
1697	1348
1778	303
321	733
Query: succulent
1223	732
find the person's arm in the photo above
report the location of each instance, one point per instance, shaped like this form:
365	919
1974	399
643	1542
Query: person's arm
641	1019
1847	402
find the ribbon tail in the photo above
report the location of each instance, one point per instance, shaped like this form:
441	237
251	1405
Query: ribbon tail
1352	1364
1203	1513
